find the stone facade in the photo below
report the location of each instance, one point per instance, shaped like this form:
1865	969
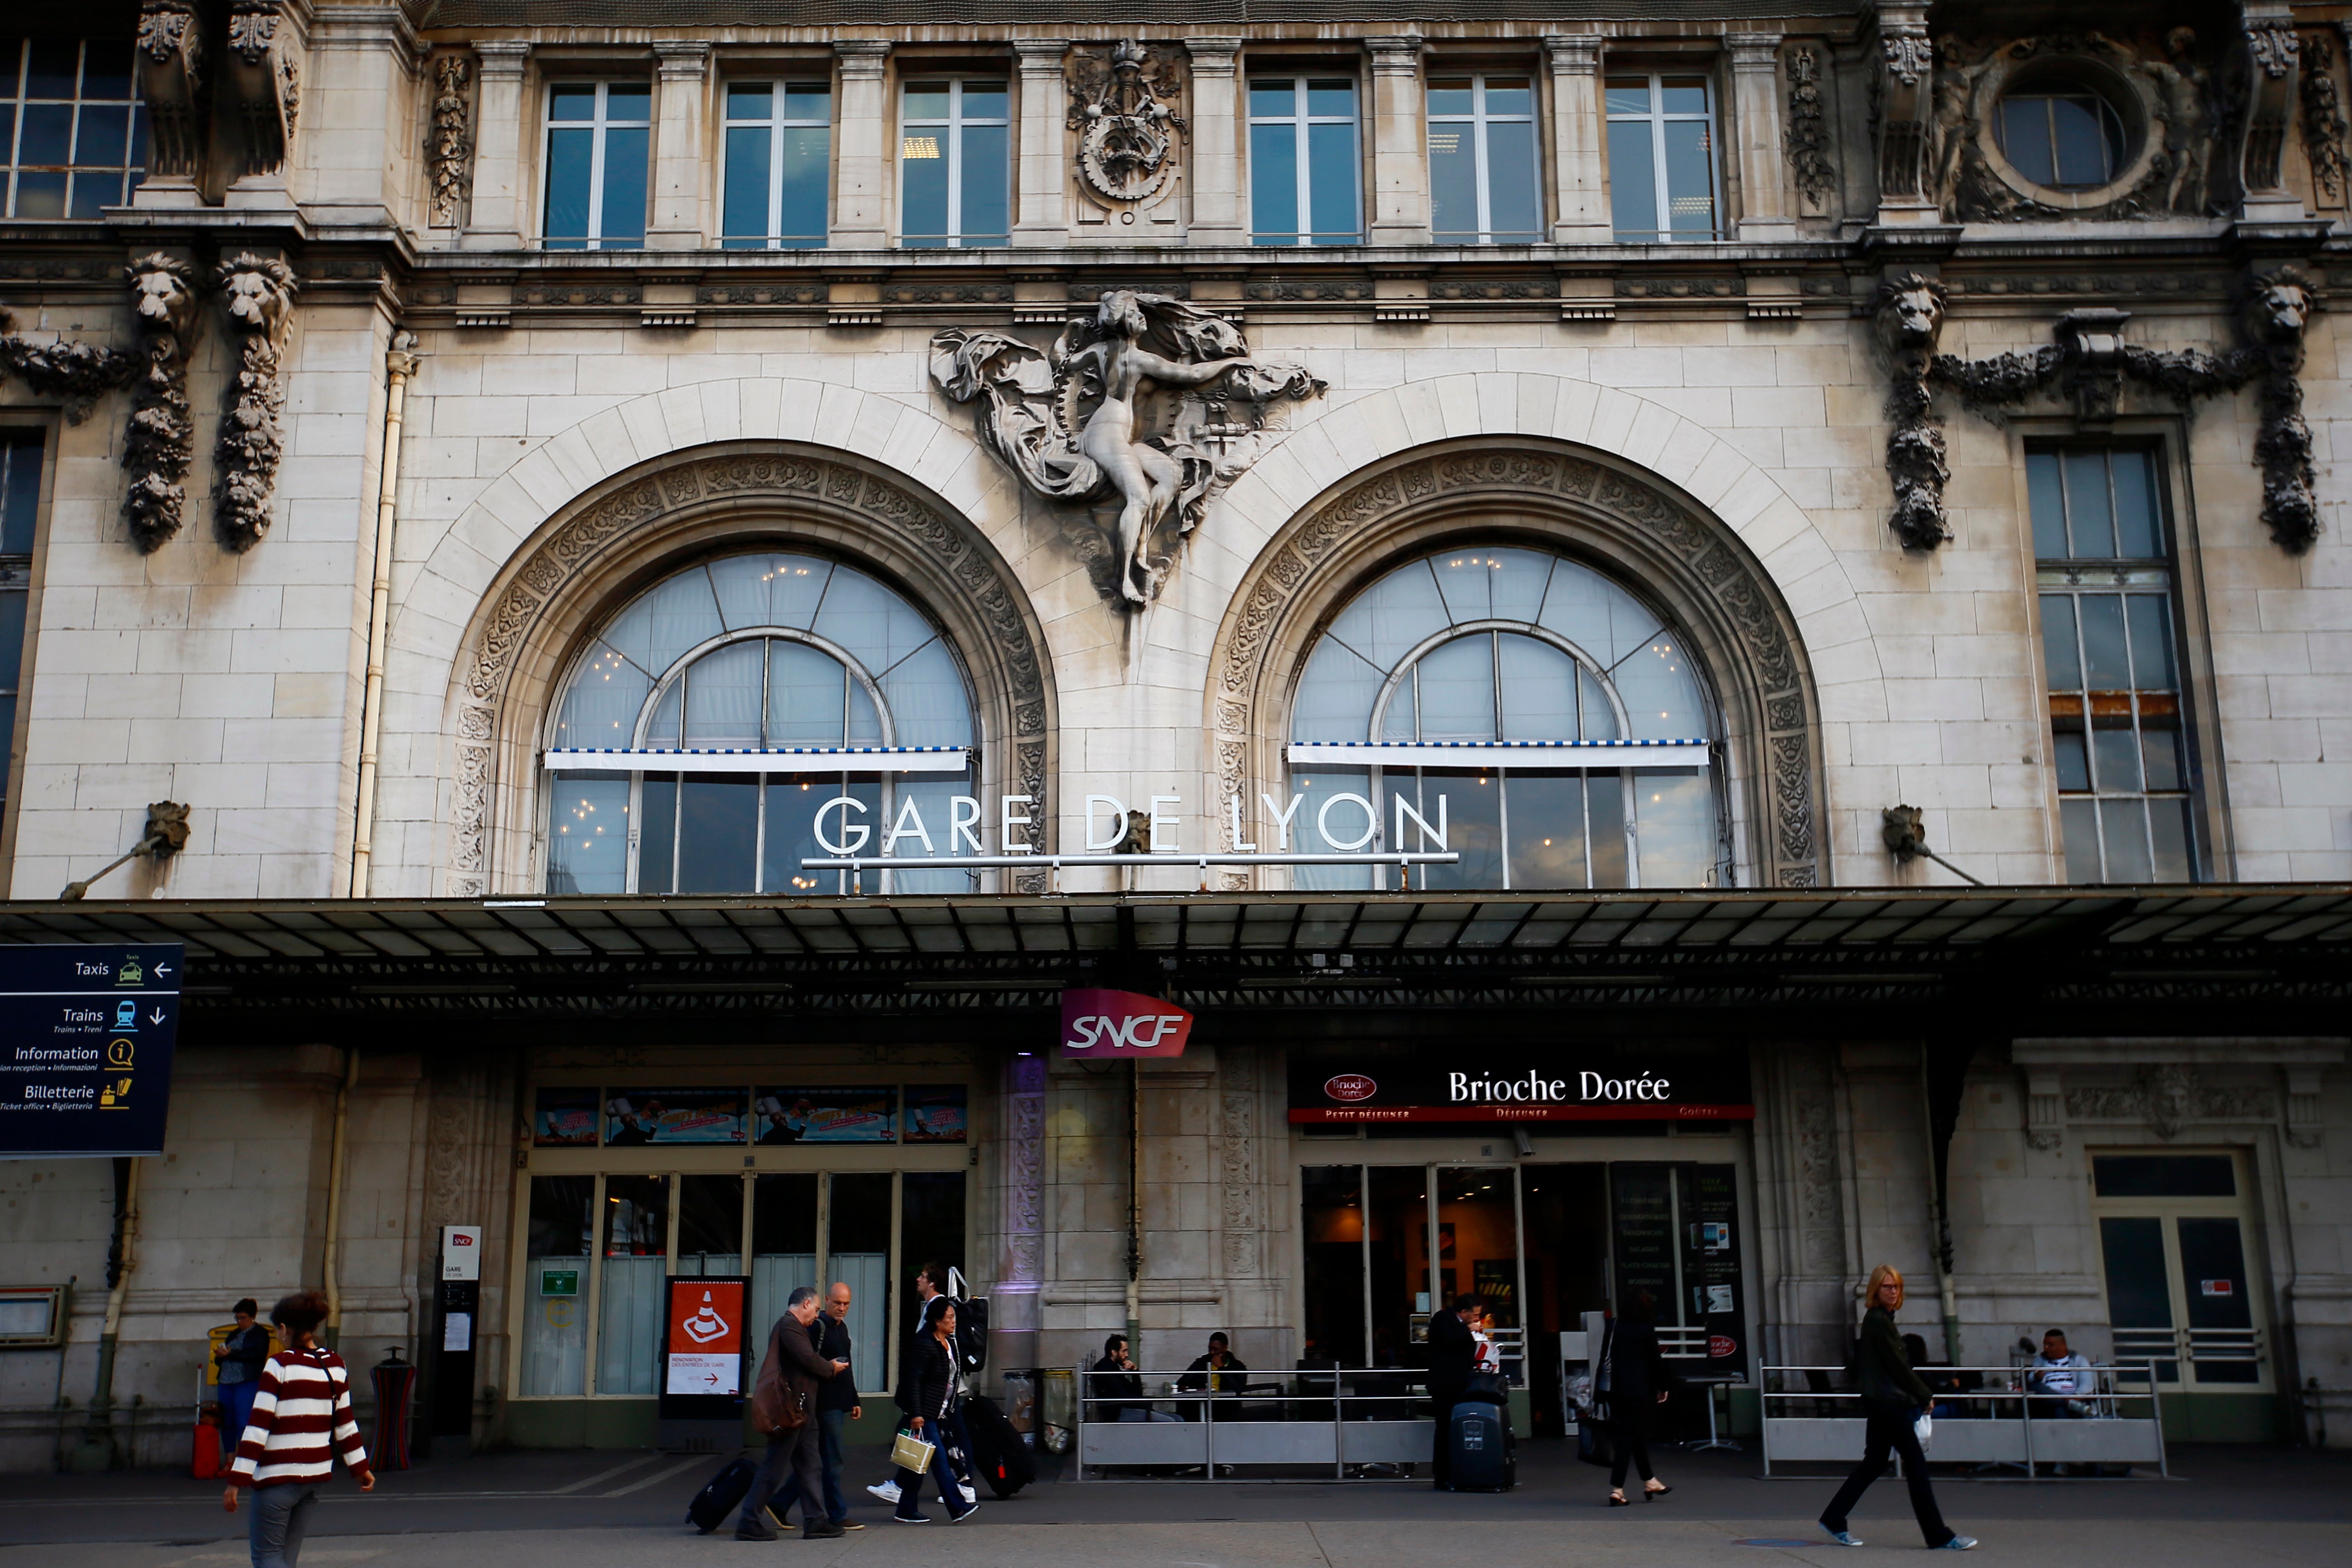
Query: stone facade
1713	413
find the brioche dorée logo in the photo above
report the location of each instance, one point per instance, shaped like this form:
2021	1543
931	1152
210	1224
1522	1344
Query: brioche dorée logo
1099	1025
1348	1087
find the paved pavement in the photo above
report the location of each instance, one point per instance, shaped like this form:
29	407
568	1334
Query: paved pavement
2248	1508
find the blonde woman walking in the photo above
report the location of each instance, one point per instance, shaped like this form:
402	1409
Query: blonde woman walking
1892	1398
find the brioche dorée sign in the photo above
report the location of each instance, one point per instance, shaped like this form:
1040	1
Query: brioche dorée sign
1112	1026
1584	1081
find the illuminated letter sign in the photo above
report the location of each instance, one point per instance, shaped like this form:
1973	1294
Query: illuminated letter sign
1110	1025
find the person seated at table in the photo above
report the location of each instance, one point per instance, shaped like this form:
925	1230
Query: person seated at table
1219	1372
1116	1389
2062	1378
1941	1380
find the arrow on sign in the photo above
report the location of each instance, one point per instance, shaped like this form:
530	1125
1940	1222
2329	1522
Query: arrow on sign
163	969
711	1378
156	1017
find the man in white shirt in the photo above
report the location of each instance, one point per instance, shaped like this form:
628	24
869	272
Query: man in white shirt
2062	1377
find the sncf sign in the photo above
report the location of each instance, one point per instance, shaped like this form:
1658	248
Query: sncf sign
1104	1025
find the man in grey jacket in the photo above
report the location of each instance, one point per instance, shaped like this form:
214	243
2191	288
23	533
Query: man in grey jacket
792	1364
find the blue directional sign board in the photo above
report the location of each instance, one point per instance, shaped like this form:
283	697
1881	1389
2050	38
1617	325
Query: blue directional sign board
86	1036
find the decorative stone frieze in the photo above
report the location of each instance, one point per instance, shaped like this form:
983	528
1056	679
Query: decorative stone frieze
449	145
259	293
1807	132
1124	103
159	440
2323	125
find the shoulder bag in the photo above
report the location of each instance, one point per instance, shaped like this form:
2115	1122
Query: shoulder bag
775	1408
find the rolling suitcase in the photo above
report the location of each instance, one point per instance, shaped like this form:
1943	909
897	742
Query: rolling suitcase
1480	1440
998	1453
723	1495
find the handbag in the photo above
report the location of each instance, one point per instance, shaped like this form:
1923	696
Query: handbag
775	1408
1592	1444
909	1452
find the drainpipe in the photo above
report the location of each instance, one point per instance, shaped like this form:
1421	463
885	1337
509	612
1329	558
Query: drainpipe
1939	1217
100	1450
400	364
335	1158
1135	1212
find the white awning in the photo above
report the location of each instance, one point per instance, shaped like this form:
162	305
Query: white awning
758	760
1573	755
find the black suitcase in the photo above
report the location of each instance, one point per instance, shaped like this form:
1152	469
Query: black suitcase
998	1453
1480	1441
723	1495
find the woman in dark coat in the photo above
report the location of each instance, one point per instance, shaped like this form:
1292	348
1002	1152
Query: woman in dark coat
1638	1384
932	1382
1892	1398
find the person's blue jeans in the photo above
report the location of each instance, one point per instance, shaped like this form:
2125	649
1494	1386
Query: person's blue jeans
829	1424
911	1485
280	1515
237	1409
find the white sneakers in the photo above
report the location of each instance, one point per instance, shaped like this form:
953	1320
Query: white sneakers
887	1491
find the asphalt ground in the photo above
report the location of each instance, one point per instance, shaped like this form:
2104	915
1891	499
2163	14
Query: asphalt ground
2239	1508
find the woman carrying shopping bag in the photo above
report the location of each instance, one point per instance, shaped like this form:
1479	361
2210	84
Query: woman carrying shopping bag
1893	1401
934	1383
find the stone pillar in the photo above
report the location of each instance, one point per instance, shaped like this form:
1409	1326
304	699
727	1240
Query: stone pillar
1756	126
1400	152
1907	101
1218	116
682	153
1020	1270
1039	218
2269	65
496	220
1579	169
862	166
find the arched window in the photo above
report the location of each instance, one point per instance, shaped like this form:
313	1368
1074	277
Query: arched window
706	728
1543	721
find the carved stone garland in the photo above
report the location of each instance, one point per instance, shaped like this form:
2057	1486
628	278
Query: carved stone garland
450	145
81	373
2090	362
1808	133
2323	125
993	597
259	293
1787	840
160	441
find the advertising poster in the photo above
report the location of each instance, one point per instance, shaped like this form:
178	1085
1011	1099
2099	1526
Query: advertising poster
637	1116
704	1338
936	1113
564	1119
826	1116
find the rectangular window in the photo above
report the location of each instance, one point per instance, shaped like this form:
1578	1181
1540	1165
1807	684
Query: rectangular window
1306	179
1482	160
2111	653
1662	183
599	140
955	164
779	151
76	139
20	499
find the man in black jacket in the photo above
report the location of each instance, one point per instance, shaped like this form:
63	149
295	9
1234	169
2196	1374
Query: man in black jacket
1453	1353
836	1399
792	1363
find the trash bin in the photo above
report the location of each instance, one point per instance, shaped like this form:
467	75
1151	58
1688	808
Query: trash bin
395	1387
1021	1405
1058	1404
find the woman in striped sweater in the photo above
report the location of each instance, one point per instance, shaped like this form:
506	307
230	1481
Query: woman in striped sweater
301	1419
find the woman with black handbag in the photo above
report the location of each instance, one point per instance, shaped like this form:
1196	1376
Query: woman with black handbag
1638	1384
933	1385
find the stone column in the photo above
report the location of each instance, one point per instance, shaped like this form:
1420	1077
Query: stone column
682	153
1021	1269
2269	65
862	168
495	221
1039	218
1217	119
1400	154
1579	172
1755	126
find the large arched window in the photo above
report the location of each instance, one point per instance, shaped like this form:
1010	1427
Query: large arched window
703	731
1544	722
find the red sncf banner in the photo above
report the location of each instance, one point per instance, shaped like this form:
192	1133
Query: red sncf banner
1107	1026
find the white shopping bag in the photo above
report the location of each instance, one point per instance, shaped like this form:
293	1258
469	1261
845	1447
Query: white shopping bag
1925	1428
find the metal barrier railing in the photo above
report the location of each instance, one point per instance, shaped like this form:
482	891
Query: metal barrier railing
2009	1418
1363	1422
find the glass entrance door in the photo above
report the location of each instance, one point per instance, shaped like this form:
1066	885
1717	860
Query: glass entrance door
2172	1241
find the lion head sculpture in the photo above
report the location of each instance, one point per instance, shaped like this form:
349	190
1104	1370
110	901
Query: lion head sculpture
162	293
1910	313
261	292
2278	306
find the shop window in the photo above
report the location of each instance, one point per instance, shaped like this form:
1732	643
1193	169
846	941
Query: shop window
635	1229
21	453
779	153
555	1284
857	1251
1661	163
1306	177
2110	649
709	1225
76	138
1482	160
1482	698
955	164
599	140
749	663
784	1240
2181	1292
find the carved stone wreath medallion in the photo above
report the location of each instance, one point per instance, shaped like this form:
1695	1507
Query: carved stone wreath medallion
1786	842
989	602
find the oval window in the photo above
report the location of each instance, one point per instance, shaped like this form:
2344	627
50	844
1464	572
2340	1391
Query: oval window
2063	137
